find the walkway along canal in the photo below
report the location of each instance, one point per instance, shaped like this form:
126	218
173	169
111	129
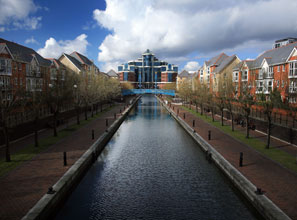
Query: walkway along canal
152	169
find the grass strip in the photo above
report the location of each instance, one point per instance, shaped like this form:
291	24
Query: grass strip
28	152
285	159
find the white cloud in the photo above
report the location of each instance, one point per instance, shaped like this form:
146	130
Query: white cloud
2	29
176	29
16	14
31	41
192	66
53	48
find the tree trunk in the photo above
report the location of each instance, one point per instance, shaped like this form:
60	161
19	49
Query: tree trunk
247	126
92	109
101	108
55	125
201	109
232	121
268	133
36	132
196	108
212	114
77	115
86	112
222	117
7	150
96	106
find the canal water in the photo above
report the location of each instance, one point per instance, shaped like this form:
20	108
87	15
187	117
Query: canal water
152	169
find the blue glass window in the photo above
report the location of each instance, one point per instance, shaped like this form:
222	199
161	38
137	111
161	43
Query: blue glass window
126	66
163	68
120	68
175	69
169	77
125	76
169	67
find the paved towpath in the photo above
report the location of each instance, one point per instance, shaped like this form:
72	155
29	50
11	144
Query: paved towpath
22	187
279	183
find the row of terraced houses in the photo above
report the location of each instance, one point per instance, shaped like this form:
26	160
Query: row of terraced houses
22	67
275	68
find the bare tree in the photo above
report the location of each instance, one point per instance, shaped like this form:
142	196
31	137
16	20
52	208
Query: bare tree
10	102
273	100
246	101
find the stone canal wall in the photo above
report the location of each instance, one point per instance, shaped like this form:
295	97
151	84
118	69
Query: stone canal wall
262	204
49	203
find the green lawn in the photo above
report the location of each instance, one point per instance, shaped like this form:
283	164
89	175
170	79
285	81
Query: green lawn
275	154
30	151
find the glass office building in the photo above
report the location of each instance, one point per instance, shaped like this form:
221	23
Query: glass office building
148	71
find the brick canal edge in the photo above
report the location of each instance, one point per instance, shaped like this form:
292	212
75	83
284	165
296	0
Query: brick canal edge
261	203
49	203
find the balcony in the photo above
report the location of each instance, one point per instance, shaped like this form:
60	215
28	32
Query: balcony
5	87
269	75
292	89
293	74
244	78
235	79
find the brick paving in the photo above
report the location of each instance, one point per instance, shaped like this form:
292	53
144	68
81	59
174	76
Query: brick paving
278	183
22	187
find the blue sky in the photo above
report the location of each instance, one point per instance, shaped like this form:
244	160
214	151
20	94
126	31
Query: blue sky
185	33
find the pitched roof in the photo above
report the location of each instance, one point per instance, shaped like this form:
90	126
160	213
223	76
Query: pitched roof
57	63
225	62
216	60
275	56
73	60
185	74
81	58
249	63
112	73
24	54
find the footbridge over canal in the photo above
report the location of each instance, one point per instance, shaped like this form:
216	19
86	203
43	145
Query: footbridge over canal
148	91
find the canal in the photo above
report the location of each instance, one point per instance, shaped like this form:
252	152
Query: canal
152	169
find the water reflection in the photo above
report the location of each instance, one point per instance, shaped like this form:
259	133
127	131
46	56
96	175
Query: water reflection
151	169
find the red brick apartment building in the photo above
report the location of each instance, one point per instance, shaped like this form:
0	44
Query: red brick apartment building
275	68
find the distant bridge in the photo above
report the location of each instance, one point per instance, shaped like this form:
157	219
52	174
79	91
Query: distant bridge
148	91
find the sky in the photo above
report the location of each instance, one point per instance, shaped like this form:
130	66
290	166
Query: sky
112	32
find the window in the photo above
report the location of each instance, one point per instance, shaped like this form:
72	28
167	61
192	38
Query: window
201	72
277	83
284	68
278	68
283	83
260	86
20	66
16	81
208	70
270	72
269	86
5	66
245	75
293	69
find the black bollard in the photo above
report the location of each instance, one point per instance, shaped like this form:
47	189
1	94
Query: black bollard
106	122
51	190
209	135
193	123
184	115
259	191
65	158
93	135
240	159
115	116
